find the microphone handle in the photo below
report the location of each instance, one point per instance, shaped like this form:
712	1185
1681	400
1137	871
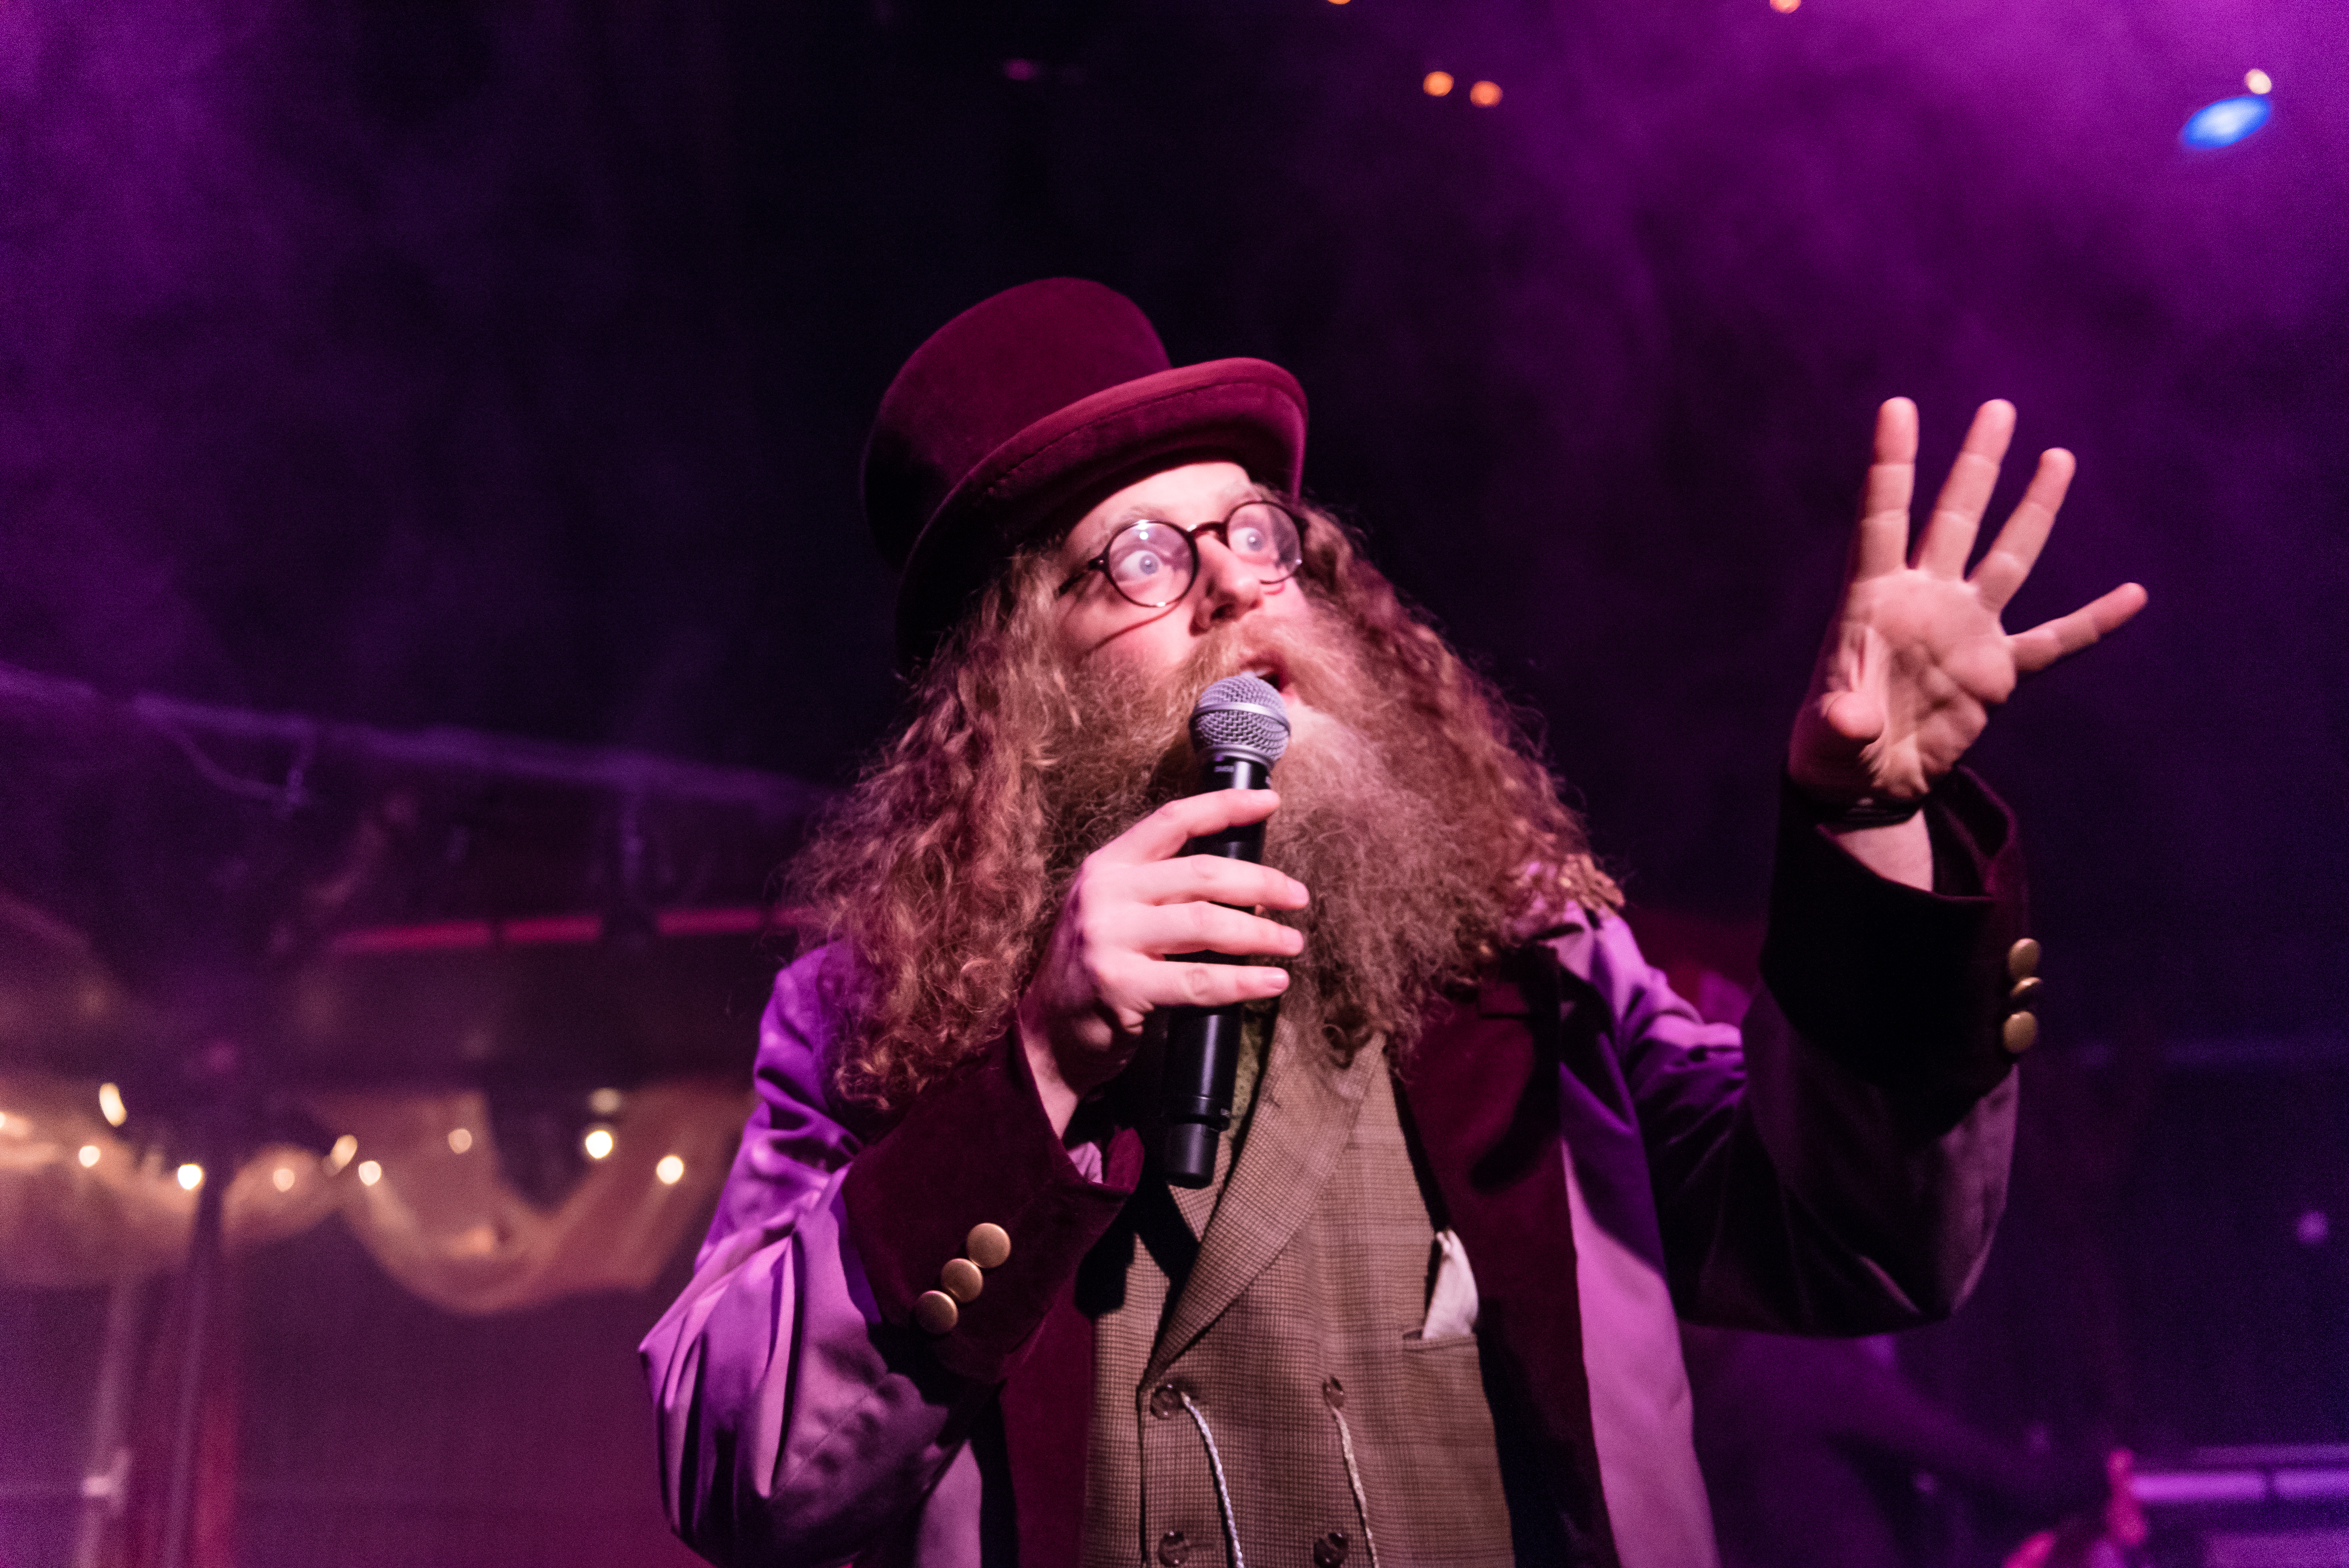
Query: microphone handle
1203	1043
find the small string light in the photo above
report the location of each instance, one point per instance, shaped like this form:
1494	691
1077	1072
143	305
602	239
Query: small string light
1783	6
282	1178
89	1155
192	1176
340	1154
671	1170
604	1102
369	1172
109	1105
1485	95
460	1138
2259	82
598	1143
1435	83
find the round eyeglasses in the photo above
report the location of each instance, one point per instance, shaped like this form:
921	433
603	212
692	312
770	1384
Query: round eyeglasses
1152	564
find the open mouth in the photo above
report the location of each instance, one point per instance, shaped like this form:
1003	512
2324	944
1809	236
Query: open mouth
1272	672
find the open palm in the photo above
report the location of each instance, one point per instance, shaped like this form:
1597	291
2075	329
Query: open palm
1916	656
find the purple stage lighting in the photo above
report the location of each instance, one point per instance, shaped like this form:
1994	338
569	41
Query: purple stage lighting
2226	122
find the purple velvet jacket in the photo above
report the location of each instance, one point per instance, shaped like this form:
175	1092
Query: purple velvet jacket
1835	1164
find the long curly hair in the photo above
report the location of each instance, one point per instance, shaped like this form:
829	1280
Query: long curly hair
940	872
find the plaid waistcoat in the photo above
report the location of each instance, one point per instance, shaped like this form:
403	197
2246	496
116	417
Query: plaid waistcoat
1273	1321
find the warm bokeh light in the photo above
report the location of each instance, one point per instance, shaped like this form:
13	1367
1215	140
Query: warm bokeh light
604	1102
1784	4
598	1143
460	1138
340	1154
192	1176
1485	95
89	1155
111	1105
282	1178
369	1172
2258	80
671	1170
1435	83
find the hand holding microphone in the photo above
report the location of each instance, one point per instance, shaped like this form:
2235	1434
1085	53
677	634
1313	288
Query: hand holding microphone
1146	927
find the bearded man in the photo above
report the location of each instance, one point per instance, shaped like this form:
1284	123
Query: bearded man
950	1312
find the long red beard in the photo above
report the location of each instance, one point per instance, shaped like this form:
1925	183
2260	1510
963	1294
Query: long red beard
1369	821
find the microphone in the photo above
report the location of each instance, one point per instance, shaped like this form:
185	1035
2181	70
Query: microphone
1238	730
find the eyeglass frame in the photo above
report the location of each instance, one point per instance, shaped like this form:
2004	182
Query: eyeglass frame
1190	536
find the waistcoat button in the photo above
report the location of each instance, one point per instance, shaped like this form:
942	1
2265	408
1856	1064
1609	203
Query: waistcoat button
1166	1400
1331	1550
1174	1549
1333	1393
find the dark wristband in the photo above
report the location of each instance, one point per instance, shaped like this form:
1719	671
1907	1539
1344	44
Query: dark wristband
1874	811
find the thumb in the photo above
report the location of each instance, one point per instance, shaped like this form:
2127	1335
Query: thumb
1854	715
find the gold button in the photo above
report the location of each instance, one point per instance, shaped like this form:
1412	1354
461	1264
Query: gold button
989	1245
2025	992
935	1311
2023	959
961	1280
2021	1033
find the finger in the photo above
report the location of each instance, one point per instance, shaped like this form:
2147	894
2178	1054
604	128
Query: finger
1164	832
1957	513
2016	549
2066	634
1880	543
1217	880
1854	715
1158	930
1196	984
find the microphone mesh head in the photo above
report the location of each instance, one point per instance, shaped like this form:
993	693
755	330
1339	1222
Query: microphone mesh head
1240	713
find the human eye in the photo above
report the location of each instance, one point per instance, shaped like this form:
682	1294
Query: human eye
1147	556
1259	535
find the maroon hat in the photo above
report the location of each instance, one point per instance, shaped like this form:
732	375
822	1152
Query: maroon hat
1028	408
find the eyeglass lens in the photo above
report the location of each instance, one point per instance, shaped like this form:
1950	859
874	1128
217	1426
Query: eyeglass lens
1152	564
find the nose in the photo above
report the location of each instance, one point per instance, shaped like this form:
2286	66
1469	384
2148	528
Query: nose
1228	587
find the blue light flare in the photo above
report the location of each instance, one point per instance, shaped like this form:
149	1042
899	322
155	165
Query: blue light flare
2226	122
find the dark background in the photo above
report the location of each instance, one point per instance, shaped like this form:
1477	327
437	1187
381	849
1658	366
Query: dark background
505	364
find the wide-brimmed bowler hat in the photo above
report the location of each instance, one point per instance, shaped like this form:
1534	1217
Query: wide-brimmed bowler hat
1025	411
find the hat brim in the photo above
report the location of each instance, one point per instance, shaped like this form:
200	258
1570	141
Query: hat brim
1247	411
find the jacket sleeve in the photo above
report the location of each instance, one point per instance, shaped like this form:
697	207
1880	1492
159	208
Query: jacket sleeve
803	1414
1838	1162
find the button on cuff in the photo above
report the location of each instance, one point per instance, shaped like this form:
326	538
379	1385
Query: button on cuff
935	1312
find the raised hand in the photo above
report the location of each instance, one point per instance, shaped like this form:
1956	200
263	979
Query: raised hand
1133	900
1916	656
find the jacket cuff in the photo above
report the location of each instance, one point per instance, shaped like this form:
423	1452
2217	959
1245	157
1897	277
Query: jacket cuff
1906	989
979	1151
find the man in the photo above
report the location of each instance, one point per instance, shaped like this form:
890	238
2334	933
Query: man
948	1313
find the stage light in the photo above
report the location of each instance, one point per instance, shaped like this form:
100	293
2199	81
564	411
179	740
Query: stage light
598	1143
192	1176
1485	95
671	1170
2226	122
604	1102
109	1105
89	1155
1435	83
369	1172
282	1178
460	1138
340	1154
2259	82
